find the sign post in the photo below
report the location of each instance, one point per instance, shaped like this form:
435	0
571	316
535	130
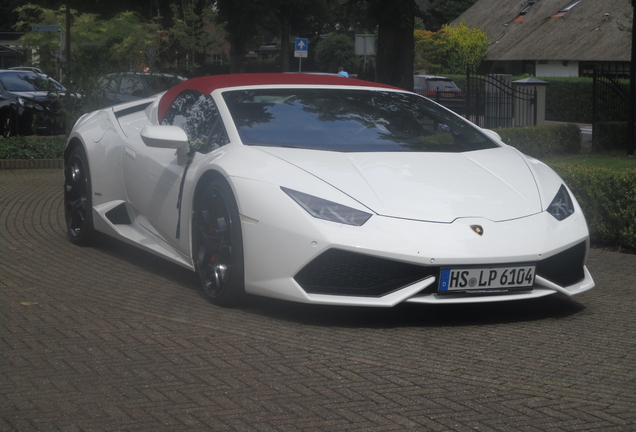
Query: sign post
300	50
365	45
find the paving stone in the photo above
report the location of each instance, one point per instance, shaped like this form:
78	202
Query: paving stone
111	338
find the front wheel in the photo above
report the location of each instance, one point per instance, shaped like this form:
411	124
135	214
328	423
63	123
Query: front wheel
78	210
218	244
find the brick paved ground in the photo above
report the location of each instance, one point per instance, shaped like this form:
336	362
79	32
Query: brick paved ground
112	339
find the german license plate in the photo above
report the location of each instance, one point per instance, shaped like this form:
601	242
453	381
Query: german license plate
486	279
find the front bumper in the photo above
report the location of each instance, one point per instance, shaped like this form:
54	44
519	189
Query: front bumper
293	256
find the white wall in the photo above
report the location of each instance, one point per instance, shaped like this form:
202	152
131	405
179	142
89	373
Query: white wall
556	68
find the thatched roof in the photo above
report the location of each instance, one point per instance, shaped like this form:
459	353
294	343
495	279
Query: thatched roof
582	34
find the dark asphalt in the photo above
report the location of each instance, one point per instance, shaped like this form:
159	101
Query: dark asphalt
110	338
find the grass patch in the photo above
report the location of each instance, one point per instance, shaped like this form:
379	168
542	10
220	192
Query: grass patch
616	160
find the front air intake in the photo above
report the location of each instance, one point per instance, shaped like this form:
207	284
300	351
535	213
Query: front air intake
564	268
338	272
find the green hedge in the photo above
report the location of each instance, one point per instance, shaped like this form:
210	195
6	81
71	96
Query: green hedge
543	140
608	200
569	99
20	147
610	136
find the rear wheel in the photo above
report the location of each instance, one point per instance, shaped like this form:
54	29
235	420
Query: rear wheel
78	210
218	244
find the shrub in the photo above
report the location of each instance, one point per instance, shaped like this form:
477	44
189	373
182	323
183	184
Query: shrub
610	136
20	147
608	200
336	50
569	99
543	140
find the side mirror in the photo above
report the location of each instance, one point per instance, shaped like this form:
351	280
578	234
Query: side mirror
168	137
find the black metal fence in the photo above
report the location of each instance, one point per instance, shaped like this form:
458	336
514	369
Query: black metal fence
492	101
610	110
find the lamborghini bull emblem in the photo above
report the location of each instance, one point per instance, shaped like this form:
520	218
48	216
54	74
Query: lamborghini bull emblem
478	229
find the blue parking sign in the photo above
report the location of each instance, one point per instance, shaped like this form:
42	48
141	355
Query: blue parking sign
301	46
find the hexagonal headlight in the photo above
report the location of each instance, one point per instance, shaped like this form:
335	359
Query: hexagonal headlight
561	206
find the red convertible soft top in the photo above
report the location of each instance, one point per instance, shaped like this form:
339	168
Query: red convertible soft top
208	84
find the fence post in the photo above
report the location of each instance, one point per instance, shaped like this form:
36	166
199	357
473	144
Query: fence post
594	113
535	95
467	95
535	103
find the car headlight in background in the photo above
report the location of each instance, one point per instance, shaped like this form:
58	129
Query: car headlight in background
328	210
561	206
30	104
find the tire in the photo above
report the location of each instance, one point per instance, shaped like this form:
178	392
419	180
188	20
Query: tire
217	244
78	203
10	124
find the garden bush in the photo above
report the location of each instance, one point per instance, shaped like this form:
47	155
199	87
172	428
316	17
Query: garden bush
20	147
569	99
608	200
543	140
610	136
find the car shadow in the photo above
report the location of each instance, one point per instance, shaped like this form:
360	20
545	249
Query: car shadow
403	315
146	261
416	315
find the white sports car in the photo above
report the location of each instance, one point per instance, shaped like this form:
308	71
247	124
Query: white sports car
322	189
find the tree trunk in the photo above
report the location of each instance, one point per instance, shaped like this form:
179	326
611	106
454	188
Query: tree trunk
284	44
396	46
237	56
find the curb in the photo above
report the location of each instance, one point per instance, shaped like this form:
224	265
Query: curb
7	164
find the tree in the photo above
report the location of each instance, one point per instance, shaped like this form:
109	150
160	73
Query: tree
443	12
450	50
430	51
8	16
337	50
119	44
395	50
305	18
466	47
240	19
193	31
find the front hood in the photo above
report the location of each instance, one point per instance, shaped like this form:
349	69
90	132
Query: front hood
495	184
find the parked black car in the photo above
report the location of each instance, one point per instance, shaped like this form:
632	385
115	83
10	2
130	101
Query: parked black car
30	103
129	86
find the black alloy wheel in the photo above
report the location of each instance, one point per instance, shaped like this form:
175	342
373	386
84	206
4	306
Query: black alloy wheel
218	244
78	210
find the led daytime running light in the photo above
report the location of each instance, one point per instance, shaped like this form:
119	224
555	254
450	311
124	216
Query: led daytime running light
328	210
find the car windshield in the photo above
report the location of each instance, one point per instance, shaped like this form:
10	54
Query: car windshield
29	82
349	121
